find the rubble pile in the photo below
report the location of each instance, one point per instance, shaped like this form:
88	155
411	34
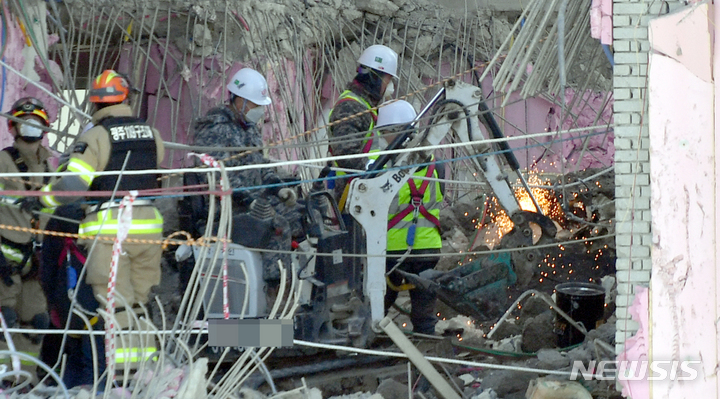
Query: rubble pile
316	43
529	337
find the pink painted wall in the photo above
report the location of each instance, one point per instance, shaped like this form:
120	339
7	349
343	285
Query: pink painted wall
538	115
198	94
16	87
601	25
683	164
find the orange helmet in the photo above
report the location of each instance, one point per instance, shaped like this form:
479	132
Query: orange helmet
28	106
109	87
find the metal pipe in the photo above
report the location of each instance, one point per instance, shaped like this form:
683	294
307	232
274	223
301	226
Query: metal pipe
440	384
433	359
547	300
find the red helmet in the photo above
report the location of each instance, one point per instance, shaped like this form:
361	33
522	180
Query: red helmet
109	87
28	106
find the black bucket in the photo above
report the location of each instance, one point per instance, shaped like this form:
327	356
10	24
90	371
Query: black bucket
584	303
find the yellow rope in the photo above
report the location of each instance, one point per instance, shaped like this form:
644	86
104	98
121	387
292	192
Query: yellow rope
202	241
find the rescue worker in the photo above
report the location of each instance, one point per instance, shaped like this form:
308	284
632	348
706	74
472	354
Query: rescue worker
236	124
413	224
117	141
21	296
374	81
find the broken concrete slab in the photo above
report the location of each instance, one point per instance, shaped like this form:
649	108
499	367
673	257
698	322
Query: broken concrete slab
377	7
542	388
538	333
486	394
552	359
392	389
506	382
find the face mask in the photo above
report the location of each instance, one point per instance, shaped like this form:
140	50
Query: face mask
389	91
255	115
30	131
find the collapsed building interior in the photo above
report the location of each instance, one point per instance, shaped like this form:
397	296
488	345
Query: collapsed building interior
546	82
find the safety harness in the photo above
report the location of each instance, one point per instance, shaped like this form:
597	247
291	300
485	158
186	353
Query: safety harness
416	206
11	247
349	95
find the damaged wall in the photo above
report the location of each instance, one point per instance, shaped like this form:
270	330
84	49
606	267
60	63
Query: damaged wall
180	54
632	168
684	184
21	54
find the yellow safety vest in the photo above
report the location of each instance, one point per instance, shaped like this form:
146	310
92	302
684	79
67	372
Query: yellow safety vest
92	224
348	95
413	217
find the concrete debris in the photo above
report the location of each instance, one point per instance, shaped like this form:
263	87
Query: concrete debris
499	30
552	359
311	393
359	395
580	354
542	388
247	393
392	389
466	216
456	323
508	382
604	333
510	344
204	11
610	286
378	7
509	328
538	332
533	306
486	394
458	241
467	379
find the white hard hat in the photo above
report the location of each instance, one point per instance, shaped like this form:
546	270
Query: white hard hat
395	113
380	58
250	85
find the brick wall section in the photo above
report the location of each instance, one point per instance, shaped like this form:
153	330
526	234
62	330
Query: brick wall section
632	167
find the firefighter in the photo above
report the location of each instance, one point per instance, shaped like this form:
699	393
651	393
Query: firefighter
413	224
374	81
236	124
117	141
21	295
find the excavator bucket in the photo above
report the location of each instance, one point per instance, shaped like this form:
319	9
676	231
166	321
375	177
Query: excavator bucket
477	289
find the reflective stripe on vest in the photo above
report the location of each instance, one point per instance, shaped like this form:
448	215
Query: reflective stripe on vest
12	254
7	360
134	355
348	95
138	226
415	220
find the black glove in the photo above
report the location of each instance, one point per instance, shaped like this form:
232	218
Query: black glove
29	204
271	178
6	272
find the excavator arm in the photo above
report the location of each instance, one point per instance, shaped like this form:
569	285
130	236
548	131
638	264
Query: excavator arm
369	198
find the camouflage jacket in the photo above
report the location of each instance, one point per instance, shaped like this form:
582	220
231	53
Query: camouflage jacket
223	127
352	130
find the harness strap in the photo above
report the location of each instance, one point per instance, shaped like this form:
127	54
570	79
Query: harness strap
71	247
416	195
23	168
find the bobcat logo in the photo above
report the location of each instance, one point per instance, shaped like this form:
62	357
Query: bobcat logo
386	187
